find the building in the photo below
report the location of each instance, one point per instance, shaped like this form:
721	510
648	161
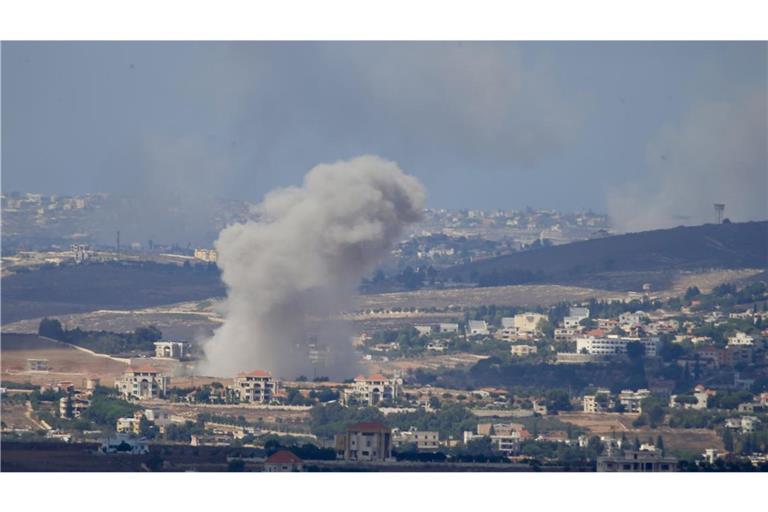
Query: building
143	383
640	461
128	425
600	401
172	349
612	345
449	328
123	444
283	461
527	324
256	386
209	255
574	318
424	440
424	330
372	390
73	405
506	437
37	365
370	441
633	400
741	338
523	350
477	328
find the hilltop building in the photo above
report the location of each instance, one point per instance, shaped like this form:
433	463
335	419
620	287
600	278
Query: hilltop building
172	349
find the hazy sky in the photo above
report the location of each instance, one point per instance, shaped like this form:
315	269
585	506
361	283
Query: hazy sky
562	125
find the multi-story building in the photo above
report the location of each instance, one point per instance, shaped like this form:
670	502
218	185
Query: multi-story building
142	383
256	386
370	441
612	344
633	400
209	255
372	390
424	440
600	401
641	461
741	338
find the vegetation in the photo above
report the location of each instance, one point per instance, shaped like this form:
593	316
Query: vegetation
140	340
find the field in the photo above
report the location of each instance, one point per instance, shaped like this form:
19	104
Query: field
694	440
64	361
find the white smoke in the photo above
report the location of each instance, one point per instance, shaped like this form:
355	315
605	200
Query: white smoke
716	154
301	262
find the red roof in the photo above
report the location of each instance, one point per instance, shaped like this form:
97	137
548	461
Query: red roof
377	377
255	373
283	457
371	426
360	377
597	333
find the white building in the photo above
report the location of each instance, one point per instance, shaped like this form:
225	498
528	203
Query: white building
209	255
172	349
424	440
574	318
600	401
449	328
613	344
742	339
372	390
477	328
143	383
256	386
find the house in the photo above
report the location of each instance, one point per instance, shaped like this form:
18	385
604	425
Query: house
640	461
523	350
600	401
527	324
424	330
505	436
437	345
143	383
283	461
370	441
128	425
741	338
372	390
424	440
256	386
449	328
172	349
477	328
633	400
73	405
574	318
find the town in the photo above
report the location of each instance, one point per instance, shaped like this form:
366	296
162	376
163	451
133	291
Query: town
637	384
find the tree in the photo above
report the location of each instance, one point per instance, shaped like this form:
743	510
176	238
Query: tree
728	440
635	350
51	328
660	444
236	465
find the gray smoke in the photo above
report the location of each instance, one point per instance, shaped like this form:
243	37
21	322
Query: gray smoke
716	154
300	263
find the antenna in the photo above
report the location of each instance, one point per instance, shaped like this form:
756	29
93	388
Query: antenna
118	243
719	207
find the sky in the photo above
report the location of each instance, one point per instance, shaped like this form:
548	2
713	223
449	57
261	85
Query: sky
651	132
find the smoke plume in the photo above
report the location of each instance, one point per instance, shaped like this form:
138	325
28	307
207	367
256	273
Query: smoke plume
301	262
718	153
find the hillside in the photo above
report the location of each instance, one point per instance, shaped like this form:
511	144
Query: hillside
626	258
80	288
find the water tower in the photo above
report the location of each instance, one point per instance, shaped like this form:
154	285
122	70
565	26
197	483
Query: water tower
719	207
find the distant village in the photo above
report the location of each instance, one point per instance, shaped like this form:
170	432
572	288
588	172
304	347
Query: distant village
617	386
